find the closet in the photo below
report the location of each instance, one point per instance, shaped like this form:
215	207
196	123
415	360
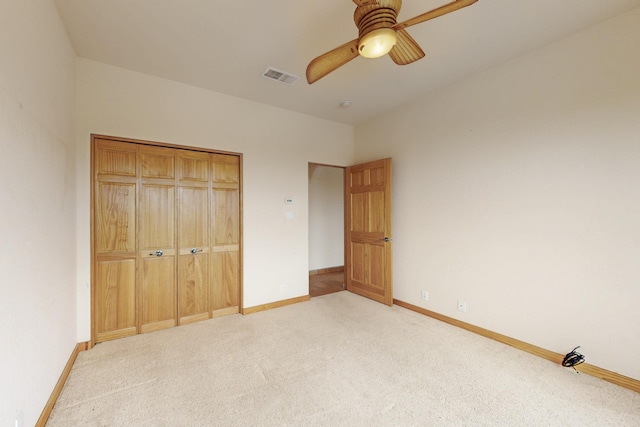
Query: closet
165	236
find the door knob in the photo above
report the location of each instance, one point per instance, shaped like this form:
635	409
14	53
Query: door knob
387	239
158	253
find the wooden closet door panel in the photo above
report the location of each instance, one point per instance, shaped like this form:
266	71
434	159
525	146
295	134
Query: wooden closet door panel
193	218
113	158
115	218
226	217
158	300
158	257
193	168
193	292
193	266
114	223
225	169
225	235
157	163
225	292
115	313
157	208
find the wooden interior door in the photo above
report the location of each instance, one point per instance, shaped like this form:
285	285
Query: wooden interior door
157	243
368	232
193	236
114	240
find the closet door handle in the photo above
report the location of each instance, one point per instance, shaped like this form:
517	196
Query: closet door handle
194	250
158	253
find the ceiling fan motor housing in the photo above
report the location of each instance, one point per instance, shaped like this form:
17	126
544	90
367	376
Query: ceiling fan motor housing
382	14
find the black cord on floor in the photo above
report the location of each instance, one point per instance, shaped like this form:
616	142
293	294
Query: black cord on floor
572	359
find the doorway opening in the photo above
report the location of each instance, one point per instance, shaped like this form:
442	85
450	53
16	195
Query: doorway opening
326	229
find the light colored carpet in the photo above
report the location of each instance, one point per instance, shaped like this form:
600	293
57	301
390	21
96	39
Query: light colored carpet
337	360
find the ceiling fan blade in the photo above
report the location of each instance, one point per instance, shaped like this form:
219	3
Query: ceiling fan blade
406	49
331	61
442	10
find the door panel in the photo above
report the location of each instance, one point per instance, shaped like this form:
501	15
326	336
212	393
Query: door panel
225	235
158	257
114	240
376	212
368	252
116	299
358	212
194	218
193	267
192	288
115	217
225	169
157	222
158	163
115	159
224	290
193	167
226	230
158	293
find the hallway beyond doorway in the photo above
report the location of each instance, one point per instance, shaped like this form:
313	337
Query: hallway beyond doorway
325	283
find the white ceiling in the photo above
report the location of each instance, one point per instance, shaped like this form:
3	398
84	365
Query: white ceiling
225	46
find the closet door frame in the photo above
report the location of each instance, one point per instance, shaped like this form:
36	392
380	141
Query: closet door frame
94	181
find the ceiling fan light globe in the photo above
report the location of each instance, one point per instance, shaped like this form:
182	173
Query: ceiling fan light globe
377	43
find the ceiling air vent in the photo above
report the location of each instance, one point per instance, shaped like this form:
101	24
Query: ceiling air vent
280	76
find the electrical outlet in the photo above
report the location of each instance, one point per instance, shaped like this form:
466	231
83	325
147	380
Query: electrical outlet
462	305
282	288
424	295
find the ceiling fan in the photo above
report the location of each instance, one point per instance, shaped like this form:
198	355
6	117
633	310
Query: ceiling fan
379	34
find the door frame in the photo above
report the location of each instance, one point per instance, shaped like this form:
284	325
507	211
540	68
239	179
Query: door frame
346	244
342	189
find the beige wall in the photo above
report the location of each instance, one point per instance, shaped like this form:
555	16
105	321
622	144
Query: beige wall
277	146
326	217
518	190
37	207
